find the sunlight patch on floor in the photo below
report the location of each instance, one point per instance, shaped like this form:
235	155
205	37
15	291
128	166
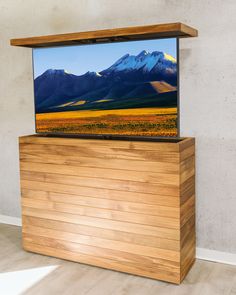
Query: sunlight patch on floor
17	282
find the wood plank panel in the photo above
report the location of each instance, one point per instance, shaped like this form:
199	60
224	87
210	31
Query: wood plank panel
187	168
162	256
165	146
187	189
187	209
133	238
188	152
109	35
119	164
95	182
135	197
116	255
187	228
137	269
102	213
186	143
121	174
102	203
162	232
188	254
107	152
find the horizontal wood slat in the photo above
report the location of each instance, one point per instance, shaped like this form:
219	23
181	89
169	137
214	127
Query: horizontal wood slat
95	182
141	208
161	232
99	202
187	189
101	193
166	257
101	252
187	209
133	238
188	253
186	229
187	169
150	177
102	213
115	164
104	152
168	146
185	144
137	268
188	152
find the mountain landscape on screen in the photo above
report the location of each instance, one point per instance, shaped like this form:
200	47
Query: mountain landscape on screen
148	79
136	95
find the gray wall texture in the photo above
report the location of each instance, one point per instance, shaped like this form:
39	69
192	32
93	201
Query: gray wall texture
208	91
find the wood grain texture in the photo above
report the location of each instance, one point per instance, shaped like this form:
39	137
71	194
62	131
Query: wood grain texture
102	203
100	182
66	277
108	234
187	207
109	35
155	231
128	206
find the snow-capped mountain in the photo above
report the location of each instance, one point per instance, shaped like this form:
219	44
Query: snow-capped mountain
148	62
147	78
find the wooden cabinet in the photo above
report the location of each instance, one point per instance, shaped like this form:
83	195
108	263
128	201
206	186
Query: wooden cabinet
122	205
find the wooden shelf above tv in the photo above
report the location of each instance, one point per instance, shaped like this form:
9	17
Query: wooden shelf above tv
109	35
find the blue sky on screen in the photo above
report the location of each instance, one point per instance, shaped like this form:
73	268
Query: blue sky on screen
80	59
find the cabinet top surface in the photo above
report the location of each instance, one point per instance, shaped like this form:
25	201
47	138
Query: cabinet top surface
168	145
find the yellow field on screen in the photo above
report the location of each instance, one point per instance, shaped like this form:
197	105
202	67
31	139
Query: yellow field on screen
136	121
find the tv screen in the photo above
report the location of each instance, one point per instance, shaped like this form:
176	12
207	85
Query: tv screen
118	89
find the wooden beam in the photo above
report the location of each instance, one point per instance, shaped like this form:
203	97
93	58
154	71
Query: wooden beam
109	35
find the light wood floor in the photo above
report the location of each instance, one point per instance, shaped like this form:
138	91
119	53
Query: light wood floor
73	278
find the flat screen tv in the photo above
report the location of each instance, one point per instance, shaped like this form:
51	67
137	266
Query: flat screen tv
111	89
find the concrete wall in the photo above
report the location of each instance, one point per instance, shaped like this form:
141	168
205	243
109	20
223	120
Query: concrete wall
208	91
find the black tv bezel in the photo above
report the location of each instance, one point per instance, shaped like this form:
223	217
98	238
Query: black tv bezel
116	136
